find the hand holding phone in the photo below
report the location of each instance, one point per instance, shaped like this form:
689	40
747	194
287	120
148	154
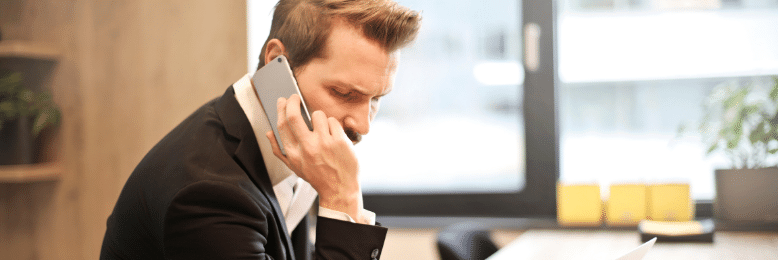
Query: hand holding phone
323	156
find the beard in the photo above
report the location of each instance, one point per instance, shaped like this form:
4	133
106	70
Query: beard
354	136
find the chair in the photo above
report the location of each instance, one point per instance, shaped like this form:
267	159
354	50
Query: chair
465	241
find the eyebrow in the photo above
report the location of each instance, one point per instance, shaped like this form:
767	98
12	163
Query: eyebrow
357	89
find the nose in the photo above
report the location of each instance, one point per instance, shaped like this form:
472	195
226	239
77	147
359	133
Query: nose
359	119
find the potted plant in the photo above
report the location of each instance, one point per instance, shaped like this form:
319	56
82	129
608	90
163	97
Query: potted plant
23	115
741	122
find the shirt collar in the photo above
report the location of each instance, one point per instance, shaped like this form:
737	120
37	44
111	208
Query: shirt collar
252	107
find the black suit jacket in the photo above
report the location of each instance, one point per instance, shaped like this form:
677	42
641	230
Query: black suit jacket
203	192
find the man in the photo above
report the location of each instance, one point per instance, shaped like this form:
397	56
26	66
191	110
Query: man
218	187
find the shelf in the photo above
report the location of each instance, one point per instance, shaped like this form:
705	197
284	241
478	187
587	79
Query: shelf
27	50
30	172
18	55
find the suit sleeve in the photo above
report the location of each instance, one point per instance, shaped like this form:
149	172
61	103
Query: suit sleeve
214	220
337	239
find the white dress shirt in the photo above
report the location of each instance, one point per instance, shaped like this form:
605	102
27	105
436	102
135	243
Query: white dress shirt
295	196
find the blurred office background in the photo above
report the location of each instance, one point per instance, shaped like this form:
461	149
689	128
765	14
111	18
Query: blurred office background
452	141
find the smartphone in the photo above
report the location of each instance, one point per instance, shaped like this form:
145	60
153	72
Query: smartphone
275	80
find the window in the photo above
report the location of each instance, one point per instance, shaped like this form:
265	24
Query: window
632	72
453	122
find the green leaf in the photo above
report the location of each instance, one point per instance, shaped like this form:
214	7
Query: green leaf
774	121
712	148
772	134
752	109
737	128
7	110
737	98
47	117
39	123
774	91
16	101
758	133
10	83
768	134
704	127
732	143
745	129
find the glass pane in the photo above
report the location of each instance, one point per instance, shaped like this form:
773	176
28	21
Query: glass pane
453	122
634	71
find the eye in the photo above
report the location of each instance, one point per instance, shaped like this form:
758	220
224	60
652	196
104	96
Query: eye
340	93
349	95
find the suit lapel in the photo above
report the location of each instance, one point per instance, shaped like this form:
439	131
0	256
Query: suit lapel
247	153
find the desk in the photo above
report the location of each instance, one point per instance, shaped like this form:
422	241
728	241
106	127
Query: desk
608	245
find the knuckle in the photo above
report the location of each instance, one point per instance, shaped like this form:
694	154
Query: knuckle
294	118
292	156
278	154
318	113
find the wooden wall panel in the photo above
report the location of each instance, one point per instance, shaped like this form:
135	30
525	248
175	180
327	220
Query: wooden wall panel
110	49
129	72
154	63
41	220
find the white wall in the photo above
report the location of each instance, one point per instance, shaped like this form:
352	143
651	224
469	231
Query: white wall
259	15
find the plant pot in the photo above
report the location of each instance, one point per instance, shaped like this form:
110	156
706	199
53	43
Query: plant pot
748	196
16	142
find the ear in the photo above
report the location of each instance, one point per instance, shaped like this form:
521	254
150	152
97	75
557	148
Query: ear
274	48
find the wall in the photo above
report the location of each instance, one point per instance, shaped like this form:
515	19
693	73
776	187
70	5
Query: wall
129	72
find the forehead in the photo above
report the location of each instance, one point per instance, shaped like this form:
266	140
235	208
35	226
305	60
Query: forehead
352	58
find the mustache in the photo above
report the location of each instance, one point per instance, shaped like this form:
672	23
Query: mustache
354	136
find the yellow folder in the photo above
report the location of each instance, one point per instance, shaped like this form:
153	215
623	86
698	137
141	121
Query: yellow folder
579	205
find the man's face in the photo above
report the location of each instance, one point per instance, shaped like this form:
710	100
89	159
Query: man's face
350	79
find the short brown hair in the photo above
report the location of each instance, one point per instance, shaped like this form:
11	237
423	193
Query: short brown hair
303	26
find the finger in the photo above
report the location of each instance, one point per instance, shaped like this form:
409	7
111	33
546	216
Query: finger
287	137
276	149
320	125
295	118
336	129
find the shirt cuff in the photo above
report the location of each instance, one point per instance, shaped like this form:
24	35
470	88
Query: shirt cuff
337	215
